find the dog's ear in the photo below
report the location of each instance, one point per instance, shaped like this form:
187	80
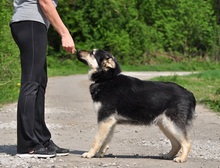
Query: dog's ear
109	63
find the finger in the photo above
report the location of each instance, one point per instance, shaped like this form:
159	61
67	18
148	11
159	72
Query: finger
71	50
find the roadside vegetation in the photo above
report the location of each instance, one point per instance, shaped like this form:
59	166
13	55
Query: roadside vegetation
151	35
204	85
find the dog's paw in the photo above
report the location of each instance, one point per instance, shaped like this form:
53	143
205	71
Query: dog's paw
179	160
102	152
87	155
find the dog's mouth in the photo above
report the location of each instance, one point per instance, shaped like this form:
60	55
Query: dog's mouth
79	57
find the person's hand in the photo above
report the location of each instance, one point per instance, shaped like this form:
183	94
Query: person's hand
68	43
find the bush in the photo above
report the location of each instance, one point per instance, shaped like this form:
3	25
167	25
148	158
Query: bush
9	61
135	30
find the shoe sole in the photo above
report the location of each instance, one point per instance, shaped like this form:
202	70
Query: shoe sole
28	155
62	154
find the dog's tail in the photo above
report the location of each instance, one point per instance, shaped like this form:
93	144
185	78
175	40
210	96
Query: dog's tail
191	113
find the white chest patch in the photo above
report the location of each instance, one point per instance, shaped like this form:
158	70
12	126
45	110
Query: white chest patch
97	106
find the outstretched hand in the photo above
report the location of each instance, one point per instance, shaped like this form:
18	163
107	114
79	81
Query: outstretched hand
68	44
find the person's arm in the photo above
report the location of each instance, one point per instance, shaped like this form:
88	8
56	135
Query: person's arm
52	15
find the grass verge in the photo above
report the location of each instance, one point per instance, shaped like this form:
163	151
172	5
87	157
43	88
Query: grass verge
204	85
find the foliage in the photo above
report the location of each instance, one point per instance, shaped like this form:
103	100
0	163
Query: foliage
9	64
153	34
65	67
134	30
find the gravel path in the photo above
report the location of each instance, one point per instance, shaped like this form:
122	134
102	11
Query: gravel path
72	121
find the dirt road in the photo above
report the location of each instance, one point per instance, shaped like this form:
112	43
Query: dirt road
72	121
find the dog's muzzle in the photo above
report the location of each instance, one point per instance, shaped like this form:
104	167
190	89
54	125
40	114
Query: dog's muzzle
79	57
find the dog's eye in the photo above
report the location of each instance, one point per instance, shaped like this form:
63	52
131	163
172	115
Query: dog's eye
93	52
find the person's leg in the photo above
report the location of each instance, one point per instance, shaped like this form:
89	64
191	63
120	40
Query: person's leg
41	130
31	38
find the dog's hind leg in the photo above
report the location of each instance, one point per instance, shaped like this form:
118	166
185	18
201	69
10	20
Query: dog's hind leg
104	129
175	144
105	145
178	138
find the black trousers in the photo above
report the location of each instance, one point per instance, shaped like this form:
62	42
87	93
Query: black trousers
31	38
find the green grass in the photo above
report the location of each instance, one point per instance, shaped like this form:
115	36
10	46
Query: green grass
185	65
65	67
9	91
204	85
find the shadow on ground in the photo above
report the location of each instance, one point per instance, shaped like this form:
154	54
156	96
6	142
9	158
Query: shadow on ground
8	149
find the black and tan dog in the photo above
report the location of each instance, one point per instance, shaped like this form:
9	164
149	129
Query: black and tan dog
120	99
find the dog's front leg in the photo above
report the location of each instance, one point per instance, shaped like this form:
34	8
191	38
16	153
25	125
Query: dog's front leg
104	128
105	145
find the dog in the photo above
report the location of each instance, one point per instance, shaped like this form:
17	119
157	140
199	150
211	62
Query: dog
121	99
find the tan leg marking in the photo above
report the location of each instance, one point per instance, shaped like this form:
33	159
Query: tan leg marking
177	137
105	145
100	143
175	144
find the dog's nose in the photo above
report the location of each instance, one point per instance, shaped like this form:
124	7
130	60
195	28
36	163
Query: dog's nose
77	53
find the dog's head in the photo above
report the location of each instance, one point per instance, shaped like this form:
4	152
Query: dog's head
103	65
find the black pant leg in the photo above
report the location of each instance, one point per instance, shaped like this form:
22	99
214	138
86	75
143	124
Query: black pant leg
41	129
31	38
